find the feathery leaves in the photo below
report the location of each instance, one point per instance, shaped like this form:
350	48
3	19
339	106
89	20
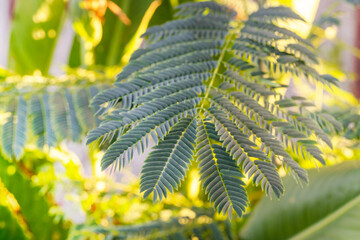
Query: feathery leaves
198	69
48	117
167	164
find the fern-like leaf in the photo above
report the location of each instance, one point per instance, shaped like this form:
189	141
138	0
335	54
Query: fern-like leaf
41	122
47	115
14	136
219	173
167	164
199	67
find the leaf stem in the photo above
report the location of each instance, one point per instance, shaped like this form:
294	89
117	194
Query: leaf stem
216	70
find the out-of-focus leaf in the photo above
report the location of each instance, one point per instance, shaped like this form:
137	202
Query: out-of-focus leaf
329	208
116	35
4	74
162	14
75	53
10	228
85	22
34	30
355	2
33	205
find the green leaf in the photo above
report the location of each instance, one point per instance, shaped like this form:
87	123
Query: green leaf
10	228
328	208
74	122
41	123
84	113
34	206
116	35
14	131
59	115
168	163
199	65
220	175
35	27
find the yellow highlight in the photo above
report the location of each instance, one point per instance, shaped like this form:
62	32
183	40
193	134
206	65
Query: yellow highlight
330	32
56	154
97	166
4	117
136	40
37	72
349	153
51	33
174	3
38	34
194	184
89	58
42	14
100	186
104	222
11	170
8	199
187	212
165	215
307	10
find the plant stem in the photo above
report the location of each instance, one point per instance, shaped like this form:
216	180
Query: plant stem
216	70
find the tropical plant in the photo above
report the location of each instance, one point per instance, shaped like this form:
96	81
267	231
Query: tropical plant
46	114
327	209
41	111
205	87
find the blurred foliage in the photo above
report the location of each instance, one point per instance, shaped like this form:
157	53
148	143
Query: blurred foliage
47	111
350	119
55	194
30	205
327	209
9	225
35	25
103	35
198	227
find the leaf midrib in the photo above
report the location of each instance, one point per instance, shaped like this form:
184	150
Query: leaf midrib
222	55
327	219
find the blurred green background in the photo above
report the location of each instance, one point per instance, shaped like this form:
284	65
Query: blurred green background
51	185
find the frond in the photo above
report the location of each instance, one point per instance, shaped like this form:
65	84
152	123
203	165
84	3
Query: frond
220	175
200	67
46	116
74	124
60	123
190	9
14	136
41	123
167	164
83	110
275	13
158	126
